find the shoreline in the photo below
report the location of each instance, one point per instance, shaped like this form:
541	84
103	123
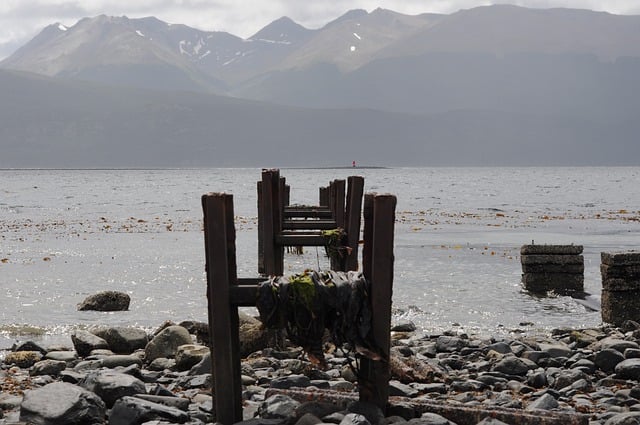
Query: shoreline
589	374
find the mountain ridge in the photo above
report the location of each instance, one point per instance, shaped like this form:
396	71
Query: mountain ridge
490	85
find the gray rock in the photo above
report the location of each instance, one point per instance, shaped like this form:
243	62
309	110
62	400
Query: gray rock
566	378
370	411
204	366
110	385
449	344
430	419
29	346
176	402
123	340
397	388
290	381
106	301
404	327
545	402
534	356
628	369
162	363
317	408
64	356
166	343
278	406
500	347
61	403
491	421
308	419
607	359
189	355
614	343
253	336
120	360
48	367
84	342
71	376
629	418
555	349
354	419
511	365
133	411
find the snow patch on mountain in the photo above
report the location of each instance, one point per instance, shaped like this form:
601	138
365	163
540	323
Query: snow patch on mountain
140	33
62	27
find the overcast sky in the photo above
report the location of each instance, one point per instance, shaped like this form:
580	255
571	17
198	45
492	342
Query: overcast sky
20	20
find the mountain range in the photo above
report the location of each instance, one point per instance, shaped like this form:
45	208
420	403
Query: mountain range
493	85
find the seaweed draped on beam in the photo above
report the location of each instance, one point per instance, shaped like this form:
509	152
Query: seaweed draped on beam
307	304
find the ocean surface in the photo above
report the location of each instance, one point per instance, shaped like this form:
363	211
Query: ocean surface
66	234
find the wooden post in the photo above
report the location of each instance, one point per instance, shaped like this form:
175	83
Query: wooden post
373	381
260	230
272	225
324	197
219	234
353	214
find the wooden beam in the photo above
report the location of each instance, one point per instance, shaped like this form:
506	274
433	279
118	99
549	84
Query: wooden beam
219	232
355	191
308	225
299	239
271	211
374	375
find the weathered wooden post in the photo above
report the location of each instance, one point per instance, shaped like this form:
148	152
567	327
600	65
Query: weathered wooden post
377	261
558	268
220	251
355	190
273	258
620	287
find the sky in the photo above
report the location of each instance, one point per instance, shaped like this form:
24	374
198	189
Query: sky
21	20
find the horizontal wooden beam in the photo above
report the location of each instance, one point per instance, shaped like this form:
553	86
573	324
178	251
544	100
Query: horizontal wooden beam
307	212
299	239
243	295
308	224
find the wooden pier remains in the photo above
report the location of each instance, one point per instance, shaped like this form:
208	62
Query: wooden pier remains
558	268
620	287
226	292
283	225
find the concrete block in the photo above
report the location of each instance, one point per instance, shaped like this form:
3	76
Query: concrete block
557	282
551	249
552	259
630	258
618	306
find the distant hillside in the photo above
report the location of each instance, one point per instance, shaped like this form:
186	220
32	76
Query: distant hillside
48	122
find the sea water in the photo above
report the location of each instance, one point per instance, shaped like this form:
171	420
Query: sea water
66	234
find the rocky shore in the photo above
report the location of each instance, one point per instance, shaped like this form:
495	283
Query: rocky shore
124	376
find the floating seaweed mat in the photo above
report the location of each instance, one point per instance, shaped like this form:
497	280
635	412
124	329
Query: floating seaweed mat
309	304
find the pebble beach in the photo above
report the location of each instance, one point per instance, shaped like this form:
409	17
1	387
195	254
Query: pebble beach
126	376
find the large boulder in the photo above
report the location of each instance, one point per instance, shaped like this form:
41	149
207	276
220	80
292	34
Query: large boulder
106	301
61	403
84	342
123	340
111	386
166	343
253	335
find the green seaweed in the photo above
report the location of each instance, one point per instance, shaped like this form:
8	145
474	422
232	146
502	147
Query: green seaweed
303	288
